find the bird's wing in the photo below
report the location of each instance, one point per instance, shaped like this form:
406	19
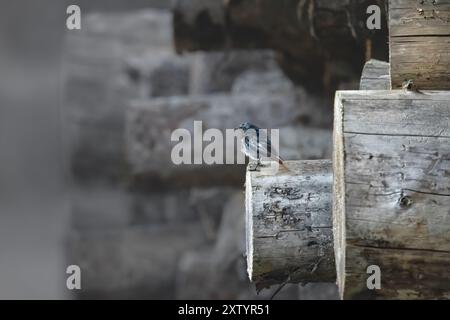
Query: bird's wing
260	147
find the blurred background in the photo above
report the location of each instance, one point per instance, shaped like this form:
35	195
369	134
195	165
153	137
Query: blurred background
85	123
34	208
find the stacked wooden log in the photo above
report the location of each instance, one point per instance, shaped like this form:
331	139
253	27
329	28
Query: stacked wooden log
311	36
115	233
140	226
390	198
289	216
419	42
289	228
390	188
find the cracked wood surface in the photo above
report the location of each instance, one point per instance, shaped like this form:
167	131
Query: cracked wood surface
419	42
392	193
288	222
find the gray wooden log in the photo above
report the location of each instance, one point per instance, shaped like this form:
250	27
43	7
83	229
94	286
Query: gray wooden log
97	208
198	267
150	123
419	42
218	71
270	81
375	76
392	193
215	24
289	226
98	73
223	265
131	263
199	23
307	33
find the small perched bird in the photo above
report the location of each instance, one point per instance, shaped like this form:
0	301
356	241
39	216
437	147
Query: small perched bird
256	144
409	86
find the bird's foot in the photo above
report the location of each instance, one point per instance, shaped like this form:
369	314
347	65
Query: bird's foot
253	166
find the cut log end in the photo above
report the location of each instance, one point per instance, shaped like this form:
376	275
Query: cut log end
390	206
338	196
288	220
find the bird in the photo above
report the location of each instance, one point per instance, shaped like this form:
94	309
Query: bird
256	144
409	86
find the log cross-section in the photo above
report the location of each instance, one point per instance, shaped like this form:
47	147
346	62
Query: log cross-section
391	193
419	43
375	76
289	227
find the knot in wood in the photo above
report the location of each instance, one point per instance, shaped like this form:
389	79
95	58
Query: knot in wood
405	201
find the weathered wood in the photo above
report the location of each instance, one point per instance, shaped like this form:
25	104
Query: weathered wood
375	76
98	69
307	33
218	71
270	81
419	42
150	124
215	24
392	193
289	225
131	263
223	265
94	208
199	24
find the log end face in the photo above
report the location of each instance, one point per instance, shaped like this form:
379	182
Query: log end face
288	220
339	192
249	223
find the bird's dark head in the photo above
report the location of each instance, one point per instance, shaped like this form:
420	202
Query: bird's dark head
246	126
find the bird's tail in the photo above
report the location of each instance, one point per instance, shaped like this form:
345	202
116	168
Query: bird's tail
283	165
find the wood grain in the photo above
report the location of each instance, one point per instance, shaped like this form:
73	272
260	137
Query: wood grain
419	42
392	192
288	220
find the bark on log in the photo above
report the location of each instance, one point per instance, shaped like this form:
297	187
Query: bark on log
419	42
289	225
391	193
375	76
